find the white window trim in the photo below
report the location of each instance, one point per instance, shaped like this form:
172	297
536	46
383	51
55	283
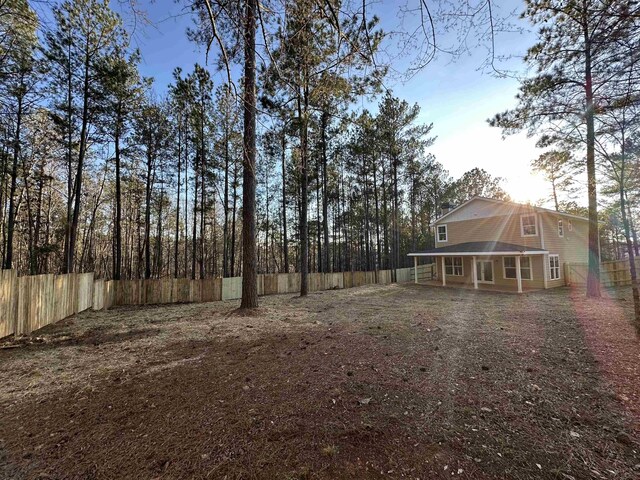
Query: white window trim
504	268
493	271
530	268
551	270
446	233
535	220
453	268
560	228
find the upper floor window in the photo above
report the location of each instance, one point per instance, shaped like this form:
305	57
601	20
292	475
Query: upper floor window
528	226
570	225
442	233
560	228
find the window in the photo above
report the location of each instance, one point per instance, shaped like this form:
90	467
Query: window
570	225
554	267
528	226
509	264
560	229
442	233
453	266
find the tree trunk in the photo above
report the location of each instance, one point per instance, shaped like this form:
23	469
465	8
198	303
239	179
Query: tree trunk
367	234
117	266
266	228
203	196
412	207
47	232
194	220
635	285
377	208
214	240
555	195
385	215
158	260
30	241
38	222
147	217
186	203
593	277
395	248
79	170
318	224
140	243
249	273
225	229
285	246
325	194
234	211
343	223
304	232
4	159
634	234
177	232
69	106
11	219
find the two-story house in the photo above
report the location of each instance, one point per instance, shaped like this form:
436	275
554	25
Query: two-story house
506	245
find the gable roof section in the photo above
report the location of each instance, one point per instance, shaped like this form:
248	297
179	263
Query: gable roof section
480	248
505	203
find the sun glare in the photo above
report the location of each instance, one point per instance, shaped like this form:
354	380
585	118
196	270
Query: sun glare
527	187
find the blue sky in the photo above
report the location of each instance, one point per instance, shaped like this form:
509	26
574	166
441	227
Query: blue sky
453	95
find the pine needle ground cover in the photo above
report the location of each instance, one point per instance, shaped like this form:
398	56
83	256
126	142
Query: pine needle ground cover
399	381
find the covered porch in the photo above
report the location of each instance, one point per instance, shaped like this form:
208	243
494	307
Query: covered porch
495	266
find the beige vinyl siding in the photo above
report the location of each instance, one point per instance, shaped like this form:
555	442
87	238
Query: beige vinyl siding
573	247
505	228
537	262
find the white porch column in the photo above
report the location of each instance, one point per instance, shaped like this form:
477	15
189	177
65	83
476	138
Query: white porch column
518	274
475	273
444	274
415	269
545	269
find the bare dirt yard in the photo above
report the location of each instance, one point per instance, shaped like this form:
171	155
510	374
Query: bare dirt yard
399	381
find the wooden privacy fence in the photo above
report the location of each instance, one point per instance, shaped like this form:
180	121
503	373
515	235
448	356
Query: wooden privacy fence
32	302
29	303
425	272
169	290
612	274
